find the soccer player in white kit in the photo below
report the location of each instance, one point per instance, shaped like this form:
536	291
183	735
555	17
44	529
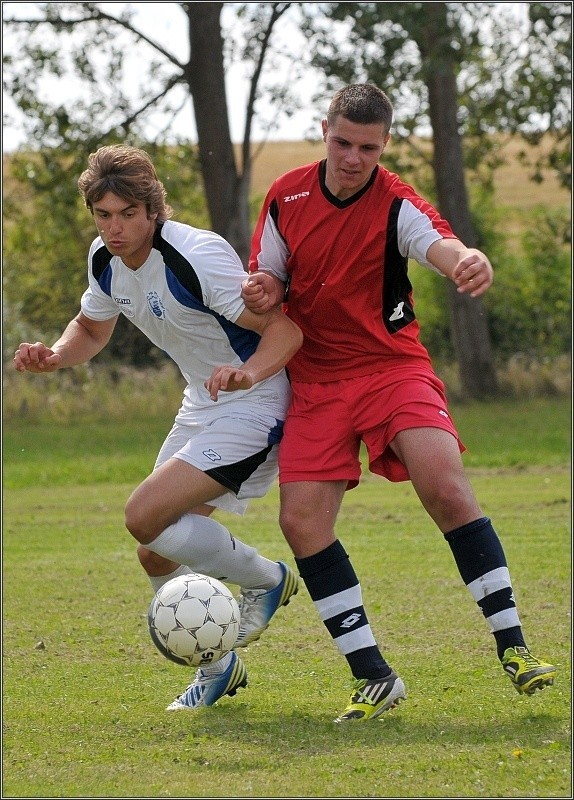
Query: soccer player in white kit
181	286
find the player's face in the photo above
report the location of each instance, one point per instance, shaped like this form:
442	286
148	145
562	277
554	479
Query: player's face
125	228
353	150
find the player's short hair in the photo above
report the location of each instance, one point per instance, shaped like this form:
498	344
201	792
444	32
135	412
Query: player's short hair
127	172
362	103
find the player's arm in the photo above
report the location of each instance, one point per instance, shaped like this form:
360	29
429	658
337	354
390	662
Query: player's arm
265	287
262	291
82	339
280	340
468	268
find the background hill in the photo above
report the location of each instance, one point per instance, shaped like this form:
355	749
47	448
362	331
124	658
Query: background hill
513	187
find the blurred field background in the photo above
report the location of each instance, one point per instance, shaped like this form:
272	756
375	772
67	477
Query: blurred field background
512	189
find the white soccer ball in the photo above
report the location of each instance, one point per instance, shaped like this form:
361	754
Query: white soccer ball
193	620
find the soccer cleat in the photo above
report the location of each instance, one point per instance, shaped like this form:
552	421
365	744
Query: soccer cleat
371	697
257	606
526	672
208	689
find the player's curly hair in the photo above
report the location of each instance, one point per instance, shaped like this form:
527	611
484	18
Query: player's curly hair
127	172
362	103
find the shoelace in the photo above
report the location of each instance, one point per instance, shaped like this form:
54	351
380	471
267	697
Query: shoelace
199	676
527	657
247	600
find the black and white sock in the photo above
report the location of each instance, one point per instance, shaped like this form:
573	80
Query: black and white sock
481	562
336	594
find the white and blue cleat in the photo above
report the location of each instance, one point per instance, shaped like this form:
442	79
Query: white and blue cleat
208	689
257	606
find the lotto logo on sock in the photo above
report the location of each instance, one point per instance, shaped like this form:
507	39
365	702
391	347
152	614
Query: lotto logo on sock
348	622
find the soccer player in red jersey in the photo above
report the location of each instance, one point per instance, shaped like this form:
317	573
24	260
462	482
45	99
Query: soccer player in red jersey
333	242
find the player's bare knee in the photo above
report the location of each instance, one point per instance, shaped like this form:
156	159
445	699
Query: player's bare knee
147	558
451	505
290	524
300	531
137	521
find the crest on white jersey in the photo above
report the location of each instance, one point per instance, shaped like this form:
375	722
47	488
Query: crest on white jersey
155	304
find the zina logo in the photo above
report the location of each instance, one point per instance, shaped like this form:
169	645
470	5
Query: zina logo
292	197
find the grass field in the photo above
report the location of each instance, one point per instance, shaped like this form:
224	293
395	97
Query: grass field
84	689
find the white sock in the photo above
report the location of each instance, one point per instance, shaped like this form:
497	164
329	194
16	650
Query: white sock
209	548
157	581
219	666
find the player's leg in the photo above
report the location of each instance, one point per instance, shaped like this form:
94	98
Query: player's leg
193	542
213	459
308	514
315	471
159	569
432	458
157	515
219	461
211	682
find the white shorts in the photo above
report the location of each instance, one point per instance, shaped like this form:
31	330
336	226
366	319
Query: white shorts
236	446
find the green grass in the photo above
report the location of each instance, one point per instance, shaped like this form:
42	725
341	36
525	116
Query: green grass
84	713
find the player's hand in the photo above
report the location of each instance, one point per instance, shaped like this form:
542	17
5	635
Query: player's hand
36	358
473	274
227	379
259	292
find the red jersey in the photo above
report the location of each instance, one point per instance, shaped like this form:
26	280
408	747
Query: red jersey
345	265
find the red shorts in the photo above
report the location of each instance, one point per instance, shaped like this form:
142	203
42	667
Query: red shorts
327	422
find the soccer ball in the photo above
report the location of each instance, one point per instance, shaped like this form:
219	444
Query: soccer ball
193	620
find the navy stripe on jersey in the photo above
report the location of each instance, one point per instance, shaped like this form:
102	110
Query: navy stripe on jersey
179	265
243	341
102	270
397	307
185	286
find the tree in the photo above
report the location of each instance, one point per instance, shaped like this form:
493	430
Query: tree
434	57
70	38
46	237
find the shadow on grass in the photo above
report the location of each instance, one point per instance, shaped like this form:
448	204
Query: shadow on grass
299	733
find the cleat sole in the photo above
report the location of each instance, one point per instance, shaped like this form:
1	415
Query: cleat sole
540	684
242	685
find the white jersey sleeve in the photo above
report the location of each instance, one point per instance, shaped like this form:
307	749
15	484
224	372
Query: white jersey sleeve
216	264
95	303
415	234
273	252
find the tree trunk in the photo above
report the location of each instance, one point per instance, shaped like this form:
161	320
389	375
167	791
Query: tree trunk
468	321
205	75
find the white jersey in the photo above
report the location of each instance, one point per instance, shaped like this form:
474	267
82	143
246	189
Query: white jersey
185	298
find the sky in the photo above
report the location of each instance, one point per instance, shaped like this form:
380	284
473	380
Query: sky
168	27
165	23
